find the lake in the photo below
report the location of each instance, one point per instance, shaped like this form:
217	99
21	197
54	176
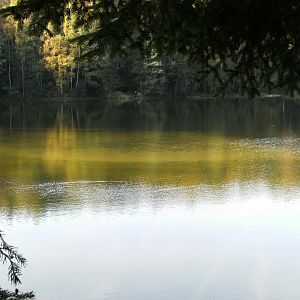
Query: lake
153	201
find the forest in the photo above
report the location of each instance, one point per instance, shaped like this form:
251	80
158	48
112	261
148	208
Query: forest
54	63
150	47
50	65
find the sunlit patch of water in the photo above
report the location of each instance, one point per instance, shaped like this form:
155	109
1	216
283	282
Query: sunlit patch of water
130	240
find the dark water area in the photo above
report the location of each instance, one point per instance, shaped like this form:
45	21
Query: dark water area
228	117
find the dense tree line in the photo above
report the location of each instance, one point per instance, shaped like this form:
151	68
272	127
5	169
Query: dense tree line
255	43
51	65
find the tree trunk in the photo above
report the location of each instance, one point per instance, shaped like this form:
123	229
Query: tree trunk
71	79
78	69
61	88
23	78
9	65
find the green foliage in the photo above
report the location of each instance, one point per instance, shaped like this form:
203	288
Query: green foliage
51	65
253	42
58	58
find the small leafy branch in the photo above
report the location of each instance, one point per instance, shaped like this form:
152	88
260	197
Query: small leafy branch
4	294
10	255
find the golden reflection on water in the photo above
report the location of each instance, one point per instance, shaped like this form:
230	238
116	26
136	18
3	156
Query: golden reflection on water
153	158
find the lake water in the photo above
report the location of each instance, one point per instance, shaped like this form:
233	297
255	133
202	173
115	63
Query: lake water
172	206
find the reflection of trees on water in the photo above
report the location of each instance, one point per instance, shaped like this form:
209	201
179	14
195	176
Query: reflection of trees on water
266	117
208	143
62	169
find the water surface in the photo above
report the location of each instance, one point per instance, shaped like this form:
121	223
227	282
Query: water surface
156	214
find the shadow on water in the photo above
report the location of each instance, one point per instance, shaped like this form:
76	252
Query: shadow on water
229	117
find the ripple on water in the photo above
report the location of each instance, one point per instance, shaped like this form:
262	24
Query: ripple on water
108	197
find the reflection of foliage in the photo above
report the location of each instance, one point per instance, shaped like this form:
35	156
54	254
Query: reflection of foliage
10	255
